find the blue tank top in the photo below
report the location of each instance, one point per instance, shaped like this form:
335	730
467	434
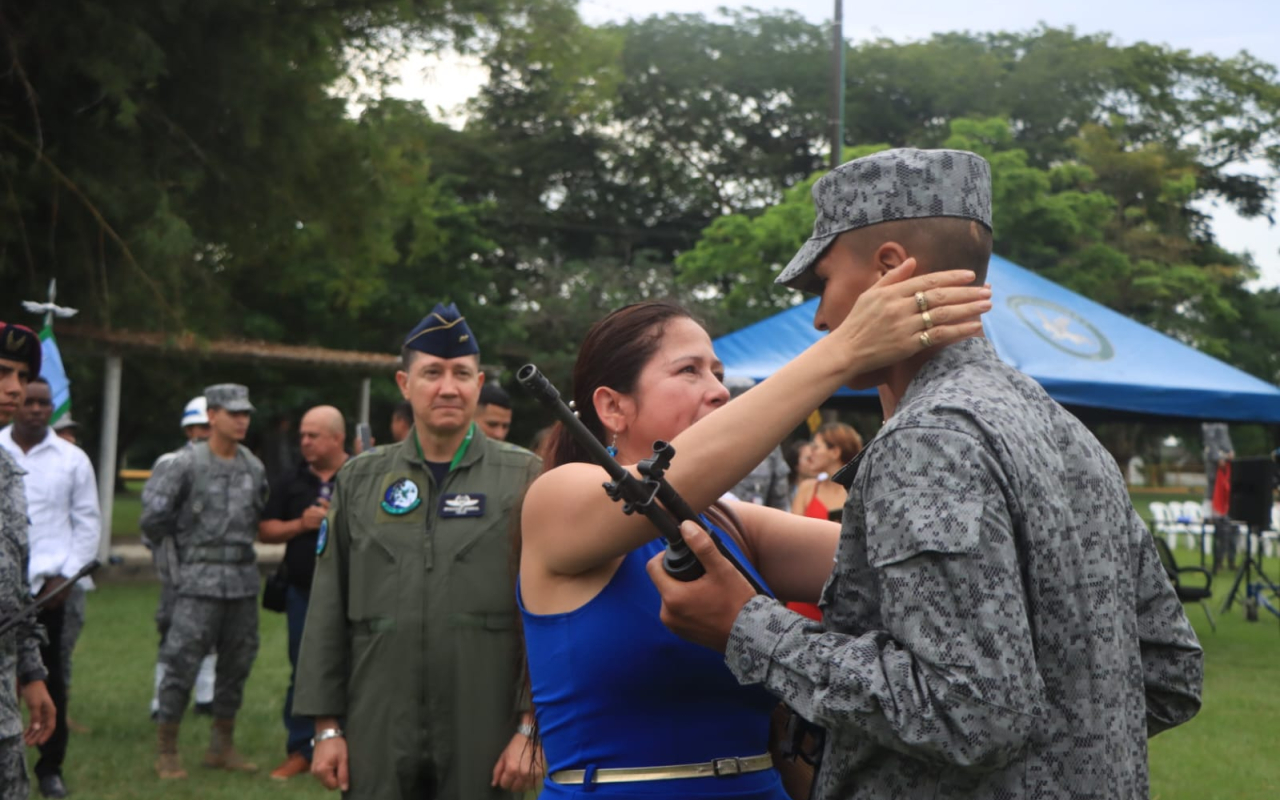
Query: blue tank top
612	687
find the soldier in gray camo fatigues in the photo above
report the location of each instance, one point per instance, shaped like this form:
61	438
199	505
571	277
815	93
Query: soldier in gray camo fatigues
20	663
20	648
998	624
217	582
195	426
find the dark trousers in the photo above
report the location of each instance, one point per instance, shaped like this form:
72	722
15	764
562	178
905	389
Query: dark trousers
300	729
1224	532
1224	543
54	751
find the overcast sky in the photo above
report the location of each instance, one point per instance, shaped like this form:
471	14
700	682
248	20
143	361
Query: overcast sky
1223	28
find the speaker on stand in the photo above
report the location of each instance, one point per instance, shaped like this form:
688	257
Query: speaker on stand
1253	482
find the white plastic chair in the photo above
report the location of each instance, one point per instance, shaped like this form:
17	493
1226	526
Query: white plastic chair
1271	536
1193	512
1164	522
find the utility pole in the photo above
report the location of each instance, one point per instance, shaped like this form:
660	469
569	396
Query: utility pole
837	85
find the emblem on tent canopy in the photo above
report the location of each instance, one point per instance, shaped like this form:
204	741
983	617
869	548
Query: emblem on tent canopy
1061	327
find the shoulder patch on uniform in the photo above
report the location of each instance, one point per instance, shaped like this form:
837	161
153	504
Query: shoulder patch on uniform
322	537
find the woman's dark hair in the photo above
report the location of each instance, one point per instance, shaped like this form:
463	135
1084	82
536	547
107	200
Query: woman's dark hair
613	354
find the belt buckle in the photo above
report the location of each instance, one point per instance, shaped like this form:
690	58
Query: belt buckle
724	767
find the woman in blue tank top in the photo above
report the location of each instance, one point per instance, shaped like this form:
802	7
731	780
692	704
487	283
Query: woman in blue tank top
624	708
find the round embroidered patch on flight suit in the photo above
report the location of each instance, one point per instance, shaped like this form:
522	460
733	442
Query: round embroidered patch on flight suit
401	497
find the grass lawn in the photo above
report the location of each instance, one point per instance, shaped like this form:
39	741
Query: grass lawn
125	510
1227	752
111	691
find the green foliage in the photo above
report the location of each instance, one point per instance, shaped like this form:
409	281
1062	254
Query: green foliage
194	169
191	160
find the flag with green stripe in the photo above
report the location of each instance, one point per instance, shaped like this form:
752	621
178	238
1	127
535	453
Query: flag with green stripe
53	371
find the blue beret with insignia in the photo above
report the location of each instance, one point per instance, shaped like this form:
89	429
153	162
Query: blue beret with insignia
443	333
20	343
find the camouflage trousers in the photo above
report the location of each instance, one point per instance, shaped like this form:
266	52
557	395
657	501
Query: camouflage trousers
13	769
202	624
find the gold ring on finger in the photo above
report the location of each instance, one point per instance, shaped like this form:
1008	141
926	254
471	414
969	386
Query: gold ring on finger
925	341
922	303
928	320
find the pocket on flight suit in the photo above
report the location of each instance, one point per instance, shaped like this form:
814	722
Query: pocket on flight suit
372	581
484	572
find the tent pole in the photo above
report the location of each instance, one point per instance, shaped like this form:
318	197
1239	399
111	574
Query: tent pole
837	85
107	451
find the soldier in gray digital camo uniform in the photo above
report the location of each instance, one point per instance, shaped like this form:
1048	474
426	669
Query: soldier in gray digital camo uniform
21	671
209	498
998	624
195	426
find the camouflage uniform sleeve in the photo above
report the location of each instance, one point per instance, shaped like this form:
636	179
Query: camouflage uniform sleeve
31	633
31	636
323	669
950	675
162	496
1172	661
263	495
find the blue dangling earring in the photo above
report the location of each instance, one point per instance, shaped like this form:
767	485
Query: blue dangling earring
612	449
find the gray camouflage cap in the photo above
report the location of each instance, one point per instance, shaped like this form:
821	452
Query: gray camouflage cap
886	186
228	396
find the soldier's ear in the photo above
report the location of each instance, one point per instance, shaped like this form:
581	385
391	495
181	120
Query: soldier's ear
889	256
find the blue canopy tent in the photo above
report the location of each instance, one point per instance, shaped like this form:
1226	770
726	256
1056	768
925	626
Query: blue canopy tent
1085	355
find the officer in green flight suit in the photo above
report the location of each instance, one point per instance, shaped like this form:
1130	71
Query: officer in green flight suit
410	655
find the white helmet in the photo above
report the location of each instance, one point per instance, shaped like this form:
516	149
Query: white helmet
196	412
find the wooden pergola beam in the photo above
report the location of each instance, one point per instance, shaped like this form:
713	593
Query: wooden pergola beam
237	350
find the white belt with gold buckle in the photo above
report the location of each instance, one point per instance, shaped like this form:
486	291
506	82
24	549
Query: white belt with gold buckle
717	768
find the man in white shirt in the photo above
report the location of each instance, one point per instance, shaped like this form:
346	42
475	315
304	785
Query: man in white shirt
62	503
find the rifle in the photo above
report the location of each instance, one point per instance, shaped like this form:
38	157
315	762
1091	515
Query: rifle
637	495
33	608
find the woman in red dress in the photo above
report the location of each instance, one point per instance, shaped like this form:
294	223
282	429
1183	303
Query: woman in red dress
833	445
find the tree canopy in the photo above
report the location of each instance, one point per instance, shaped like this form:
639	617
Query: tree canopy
208	168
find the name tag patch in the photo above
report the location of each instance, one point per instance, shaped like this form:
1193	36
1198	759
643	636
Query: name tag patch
462	505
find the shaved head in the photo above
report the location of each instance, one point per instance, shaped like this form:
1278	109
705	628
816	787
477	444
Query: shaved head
322	434
327	417
937	243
